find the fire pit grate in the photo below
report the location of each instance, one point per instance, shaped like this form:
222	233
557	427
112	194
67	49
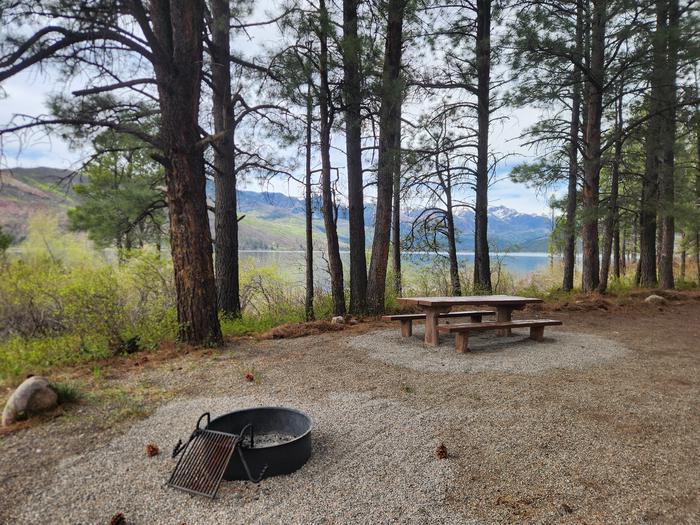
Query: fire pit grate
204	460
202	465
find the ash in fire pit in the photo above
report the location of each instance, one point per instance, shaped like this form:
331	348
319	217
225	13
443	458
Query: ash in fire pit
271	440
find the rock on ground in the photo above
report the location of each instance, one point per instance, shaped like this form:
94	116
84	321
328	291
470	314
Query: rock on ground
655	299
32	396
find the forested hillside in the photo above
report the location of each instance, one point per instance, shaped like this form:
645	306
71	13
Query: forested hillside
272	220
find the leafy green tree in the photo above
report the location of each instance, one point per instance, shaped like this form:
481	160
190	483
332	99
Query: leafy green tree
121	201
5	241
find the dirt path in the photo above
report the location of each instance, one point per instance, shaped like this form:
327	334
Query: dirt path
613	442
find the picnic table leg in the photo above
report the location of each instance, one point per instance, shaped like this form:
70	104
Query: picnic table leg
462	342
432	316
503	314
537	333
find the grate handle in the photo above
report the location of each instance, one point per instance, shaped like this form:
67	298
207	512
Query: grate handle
208	416
180	447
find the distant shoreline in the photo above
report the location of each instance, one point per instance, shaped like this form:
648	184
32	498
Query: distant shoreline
492	254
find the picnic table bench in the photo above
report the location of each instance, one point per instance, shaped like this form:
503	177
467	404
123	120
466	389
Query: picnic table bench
407	319
435	306
462	330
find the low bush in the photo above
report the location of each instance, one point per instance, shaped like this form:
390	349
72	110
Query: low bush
67	393
62	302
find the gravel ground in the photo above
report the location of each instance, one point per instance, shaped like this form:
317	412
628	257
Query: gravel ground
517	353
373	462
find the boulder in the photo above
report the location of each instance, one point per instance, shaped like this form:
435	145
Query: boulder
32	396
339	319
655	299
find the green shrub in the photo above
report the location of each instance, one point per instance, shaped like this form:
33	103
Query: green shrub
20	356
67	393
67	303
6	240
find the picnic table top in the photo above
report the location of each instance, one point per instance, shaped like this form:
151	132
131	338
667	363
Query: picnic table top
491	300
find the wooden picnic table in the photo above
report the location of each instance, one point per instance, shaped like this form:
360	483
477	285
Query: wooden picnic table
434	306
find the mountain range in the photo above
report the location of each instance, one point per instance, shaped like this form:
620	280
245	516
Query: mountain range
276	221
273	221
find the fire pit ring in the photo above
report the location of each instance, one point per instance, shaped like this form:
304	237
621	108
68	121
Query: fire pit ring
281	441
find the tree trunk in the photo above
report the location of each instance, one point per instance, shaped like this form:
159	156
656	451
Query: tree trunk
570	241
592	160
353	145
452	242
666	174
396	215
179	80
226	213
334	262
697	190
697	255
389	122
308	212
617	257
684	255
482	263
654	155
611	219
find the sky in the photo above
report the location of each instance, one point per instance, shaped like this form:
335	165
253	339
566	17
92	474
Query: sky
27	93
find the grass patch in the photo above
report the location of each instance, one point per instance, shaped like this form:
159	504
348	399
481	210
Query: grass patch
407	389
118	402
249	325
67	393
20	356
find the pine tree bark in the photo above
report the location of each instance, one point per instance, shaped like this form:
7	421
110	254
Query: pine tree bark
452	241
684	256
226	213
571	196
482	263
353	147
592	157
308	212
329	219
697	191
654	154
179	27
666	174
389	146
617	256
396	216
611	219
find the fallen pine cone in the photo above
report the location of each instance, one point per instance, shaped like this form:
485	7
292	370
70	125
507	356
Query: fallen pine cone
118	519
152	450
441	451
249	377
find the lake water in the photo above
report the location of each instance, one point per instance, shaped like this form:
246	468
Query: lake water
292	263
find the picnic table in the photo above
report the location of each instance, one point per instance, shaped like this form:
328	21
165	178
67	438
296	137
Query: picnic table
434	306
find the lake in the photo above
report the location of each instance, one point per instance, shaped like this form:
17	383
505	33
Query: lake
292	262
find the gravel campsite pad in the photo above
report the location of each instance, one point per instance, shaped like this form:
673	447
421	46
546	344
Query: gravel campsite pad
373	461
516	353
599	423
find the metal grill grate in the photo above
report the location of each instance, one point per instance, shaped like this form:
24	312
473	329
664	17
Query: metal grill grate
203	463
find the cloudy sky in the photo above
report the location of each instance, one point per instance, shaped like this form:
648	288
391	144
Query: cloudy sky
27	94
